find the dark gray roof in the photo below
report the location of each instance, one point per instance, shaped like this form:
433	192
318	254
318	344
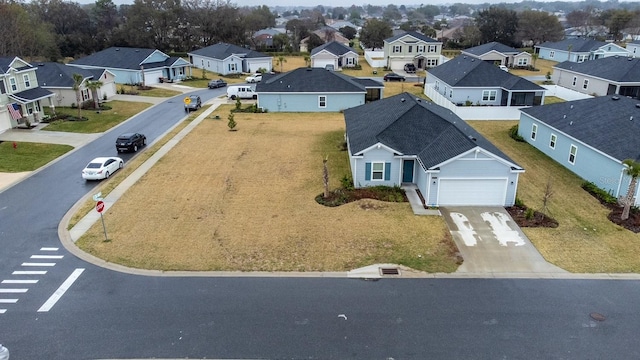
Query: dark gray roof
310	80
5	63
368	82
614	68
467	71
333	47
415	34
611	126
52	74
117	58
413	126
577	45
222	51
485	48
31	95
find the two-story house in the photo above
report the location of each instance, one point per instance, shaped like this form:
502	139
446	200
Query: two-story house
578	50
412	47
22	100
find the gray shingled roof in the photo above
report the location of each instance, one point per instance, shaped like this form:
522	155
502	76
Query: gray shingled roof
310	80
413	126
415	34
467	71
580	45
485	48
32	94
611	126
333	47
221	51
53	74
117	58
5	63
614	68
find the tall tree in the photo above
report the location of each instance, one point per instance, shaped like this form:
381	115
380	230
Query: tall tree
582	20
70	24
77	81
24	33
94	85
618	20
391	13
105	19
632	169
539	26
497	24
348	32
152	23
374	32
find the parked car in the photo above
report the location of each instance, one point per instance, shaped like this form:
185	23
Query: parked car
393	77
217	83
130	142
410	68
101	168
242	92
257	77
194	103
504	68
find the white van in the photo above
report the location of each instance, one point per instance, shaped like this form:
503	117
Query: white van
242	92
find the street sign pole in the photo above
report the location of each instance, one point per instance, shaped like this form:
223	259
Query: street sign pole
100	209
104	228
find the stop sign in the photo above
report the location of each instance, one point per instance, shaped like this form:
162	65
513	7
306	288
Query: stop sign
100	206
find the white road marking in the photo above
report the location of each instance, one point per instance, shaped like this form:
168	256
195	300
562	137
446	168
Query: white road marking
8	301
48	249
38	264
13	291
47	256
19	281
2	311
465	230
61	290
503	233
38	272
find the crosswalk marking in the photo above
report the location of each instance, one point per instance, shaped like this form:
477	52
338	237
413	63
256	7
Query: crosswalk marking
37	272
8	301
61	290
47	256
38	264
19	281
2	311
49	249
13	291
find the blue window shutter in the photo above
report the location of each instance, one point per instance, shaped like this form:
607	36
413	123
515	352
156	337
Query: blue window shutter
387	171
367	171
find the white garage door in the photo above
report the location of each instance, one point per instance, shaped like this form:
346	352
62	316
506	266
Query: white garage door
472	192
322	63
257	65
152	76
398	64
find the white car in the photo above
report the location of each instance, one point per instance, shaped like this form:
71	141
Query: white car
504	68
101	168
254	78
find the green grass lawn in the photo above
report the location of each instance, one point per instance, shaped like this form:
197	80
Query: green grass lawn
28	156
151	91
97	121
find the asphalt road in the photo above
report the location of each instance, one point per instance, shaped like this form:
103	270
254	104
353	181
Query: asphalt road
106	315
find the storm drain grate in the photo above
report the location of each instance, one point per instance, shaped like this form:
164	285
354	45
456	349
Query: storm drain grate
389	271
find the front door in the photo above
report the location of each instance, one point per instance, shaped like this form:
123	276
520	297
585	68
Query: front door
407	171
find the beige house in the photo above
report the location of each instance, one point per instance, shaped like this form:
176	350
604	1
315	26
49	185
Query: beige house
333	55
499	54
412	47
58	78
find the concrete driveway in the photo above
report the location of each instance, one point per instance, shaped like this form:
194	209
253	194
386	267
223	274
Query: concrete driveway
491	242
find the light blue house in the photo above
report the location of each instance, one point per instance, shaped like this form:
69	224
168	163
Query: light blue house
590	137
224	59
136	65
578	50
315	90
404	139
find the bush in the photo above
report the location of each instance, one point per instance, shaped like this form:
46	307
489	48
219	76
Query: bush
529	214
513	132
519	202
600	194
357	67
347	182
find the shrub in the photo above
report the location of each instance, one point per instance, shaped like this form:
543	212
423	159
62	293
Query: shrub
600	194
347	182
513	132
357	67
519	202
529	214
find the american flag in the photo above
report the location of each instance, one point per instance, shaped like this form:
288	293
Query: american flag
14	111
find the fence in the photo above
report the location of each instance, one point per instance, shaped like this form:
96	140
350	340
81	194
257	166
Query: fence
375	58
474	112
564	93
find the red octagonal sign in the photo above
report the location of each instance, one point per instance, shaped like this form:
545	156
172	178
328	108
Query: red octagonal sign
100	206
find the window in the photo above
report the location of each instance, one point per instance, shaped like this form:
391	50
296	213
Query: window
377	171
2	89
575	80
232	67
523	62
534	131
585	84
432	62
432	48
489	95
437	85
322	101
351	61
420	48
572	154
450	93
552	54
208	64
397	48
410	49
13	84
582	58
27	82
552	141
85	94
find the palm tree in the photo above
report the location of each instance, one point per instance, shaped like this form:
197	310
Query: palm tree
307	60
534	57
632	168
77	80
280	61
94	85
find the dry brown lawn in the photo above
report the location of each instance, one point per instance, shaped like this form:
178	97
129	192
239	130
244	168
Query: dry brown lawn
244	200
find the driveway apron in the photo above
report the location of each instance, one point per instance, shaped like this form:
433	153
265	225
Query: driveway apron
491	242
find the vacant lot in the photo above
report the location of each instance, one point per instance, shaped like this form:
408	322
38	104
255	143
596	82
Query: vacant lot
244	200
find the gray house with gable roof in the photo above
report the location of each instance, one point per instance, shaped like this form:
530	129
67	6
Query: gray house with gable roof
607	76
590	137
578	50
315	90
471	81
495	52
404	139
136	65
226	59
58	78
335	54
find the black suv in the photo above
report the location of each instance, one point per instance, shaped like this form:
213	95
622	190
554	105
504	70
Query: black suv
194	103
409	68
130	142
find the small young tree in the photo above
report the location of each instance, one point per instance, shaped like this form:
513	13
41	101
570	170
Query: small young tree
325	176
307	60
548	193
232	122
280	61
238	103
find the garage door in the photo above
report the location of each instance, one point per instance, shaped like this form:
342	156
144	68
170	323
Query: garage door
472	192
257	65
398	64
152	77
322	63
